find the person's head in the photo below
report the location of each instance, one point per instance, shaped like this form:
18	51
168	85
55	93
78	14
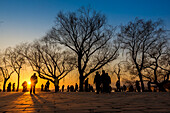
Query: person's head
103	71
97	73
34	74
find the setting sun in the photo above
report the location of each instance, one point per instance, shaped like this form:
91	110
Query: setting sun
29	83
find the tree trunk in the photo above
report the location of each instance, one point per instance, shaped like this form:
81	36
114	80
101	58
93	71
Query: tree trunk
81	78
81	82
4	85
56	87
18	83
141	80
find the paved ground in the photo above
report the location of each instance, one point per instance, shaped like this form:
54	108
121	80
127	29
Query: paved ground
85	102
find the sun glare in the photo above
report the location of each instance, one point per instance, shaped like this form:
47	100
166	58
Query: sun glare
29	83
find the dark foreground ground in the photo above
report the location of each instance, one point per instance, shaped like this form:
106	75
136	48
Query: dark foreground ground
73	102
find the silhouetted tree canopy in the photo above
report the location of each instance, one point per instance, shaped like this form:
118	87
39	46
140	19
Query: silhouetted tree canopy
5	68
16	61
138	38
88	35
48	60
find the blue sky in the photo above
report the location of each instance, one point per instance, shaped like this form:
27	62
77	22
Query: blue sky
27	20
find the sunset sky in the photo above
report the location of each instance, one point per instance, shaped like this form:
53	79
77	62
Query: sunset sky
27	20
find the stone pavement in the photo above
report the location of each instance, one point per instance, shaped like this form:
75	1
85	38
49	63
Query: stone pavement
78	102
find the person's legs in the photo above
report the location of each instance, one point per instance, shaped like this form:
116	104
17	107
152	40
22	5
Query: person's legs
34	89
31	89
98	88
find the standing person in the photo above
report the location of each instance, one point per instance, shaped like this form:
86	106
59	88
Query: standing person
107	83
97	81
118	85
131	89
124	88
47	85
9	87
149	86
13	87
56	84
102	79
42	87
24	84
137	86
63	88
68	88
76	87
34	81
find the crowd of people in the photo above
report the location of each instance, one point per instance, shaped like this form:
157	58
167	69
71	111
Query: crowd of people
102	83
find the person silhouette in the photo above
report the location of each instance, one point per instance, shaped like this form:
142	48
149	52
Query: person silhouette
71	88
47	85
102	79
34	81
137	86
42	87
24	84
56	84
131	89
124	88
63	88
118	85
76	87
13	87
106	81
97	81
149	86
9	87
68	88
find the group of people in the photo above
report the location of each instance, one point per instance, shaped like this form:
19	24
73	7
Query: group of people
9	87
131	88
47	85
102	82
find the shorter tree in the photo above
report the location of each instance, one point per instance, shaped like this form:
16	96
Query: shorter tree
49	61
158	68
5	70
16	61
137	38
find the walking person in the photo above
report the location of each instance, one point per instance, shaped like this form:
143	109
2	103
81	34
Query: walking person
34	81
137	86
118	85
13	87
76	87
97	81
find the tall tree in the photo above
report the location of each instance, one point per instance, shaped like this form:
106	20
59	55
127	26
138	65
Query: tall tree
87	34
137	38
16	61
5	69
158	67
49	61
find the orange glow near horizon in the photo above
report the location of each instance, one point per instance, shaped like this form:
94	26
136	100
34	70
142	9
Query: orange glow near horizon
29	83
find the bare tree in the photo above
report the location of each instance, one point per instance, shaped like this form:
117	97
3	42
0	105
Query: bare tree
5	69
120	69
137	38
87	34
49	61
16	61
158	63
